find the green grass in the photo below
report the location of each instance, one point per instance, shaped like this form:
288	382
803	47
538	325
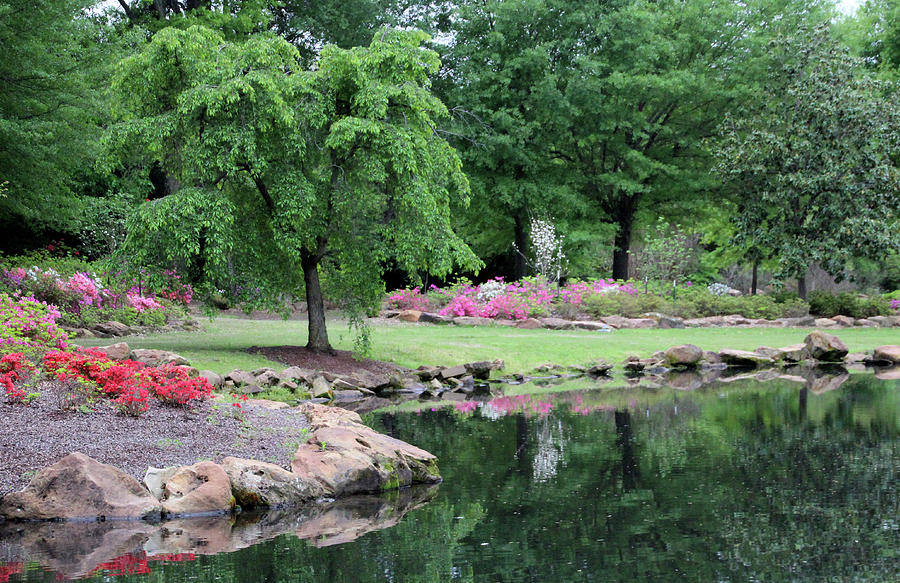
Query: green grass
220	347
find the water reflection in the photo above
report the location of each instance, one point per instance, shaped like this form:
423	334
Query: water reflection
73	550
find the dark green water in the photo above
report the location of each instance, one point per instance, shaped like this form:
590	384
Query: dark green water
737	482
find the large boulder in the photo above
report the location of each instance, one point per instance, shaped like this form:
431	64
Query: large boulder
592	326
202	488
684	355
529	324
155	357
472	321
256	483
113	328
410	315
794	353
80	487
430	318
117	351
825	347
352	459
556	323
888	353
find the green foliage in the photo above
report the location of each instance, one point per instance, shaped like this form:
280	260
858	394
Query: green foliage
337	168
827	304
811	157
697	303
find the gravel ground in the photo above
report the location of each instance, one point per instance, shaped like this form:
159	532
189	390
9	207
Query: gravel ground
39	434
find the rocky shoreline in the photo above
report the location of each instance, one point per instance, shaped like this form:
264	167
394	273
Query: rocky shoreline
339	457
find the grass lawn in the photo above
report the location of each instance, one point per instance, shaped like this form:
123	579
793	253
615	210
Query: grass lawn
220	347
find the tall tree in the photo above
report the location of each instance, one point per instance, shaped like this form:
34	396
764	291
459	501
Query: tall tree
812	159
285	172
49	119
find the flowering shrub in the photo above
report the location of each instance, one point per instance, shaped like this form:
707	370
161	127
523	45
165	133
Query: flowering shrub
408	299
14	369
895	304
83	299
128	383
718	289
28	323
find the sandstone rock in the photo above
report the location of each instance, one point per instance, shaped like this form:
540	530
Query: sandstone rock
214	379
267	404
773	353
410	315
262	370
844	321
480	370
353	459
639	323
684	355
823	383
800	322
256	483
239	378
300	375
78	486
117	351
472	321
113	328
825	323
155	479
389	313
348	395
705	322
857	357
556	324
743	358
886	321
669	322
710	357
633	364
289	385
320	387
321	416
252	389
155	357
202	488
430	318
825	347
529	324
888	353
453	372
599	369
435	385
426	373
343	384
867	323
614	321
593	326
794	353
268	378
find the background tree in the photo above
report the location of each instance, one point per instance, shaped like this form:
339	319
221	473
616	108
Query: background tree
284	172
49	116
812	159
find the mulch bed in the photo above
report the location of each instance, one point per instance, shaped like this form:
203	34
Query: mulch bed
39	434
339	362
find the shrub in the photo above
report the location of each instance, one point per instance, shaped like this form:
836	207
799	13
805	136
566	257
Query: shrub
408	299
827	305
26	323
16	371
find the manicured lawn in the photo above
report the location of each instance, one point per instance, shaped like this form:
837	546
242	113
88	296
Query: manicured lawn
220	346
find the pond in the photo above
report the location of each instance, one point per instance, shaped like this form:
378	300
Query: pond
739	481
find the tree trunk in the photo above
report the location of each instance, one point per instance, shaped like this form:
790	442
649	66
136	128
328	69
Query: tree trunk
625	440
315	305
521	238
622	244
801	286
753	280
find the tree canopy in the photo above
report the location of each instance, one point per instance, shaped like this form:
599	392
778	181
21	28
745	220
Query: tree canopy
812	159
283	171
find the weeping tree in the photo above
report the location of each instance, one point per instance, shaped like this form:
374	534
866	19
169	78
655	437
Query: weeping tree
283	173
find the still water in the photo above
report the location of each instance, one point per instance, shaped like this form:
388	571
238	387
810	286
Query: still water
743	481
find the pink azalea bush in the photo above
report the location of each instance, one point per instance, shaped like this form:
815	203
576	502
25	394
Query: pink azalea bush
408	299
895	304
517	300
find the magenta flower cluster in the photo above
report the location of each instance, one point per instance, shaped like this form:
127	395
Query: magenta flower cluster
895	304
526	298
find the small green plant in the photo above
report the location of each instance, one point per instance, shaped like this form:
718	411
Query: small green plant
167	442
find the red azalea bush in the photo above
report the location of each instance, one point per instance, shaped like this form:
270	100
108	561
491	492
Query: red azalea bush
128	383
14	369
